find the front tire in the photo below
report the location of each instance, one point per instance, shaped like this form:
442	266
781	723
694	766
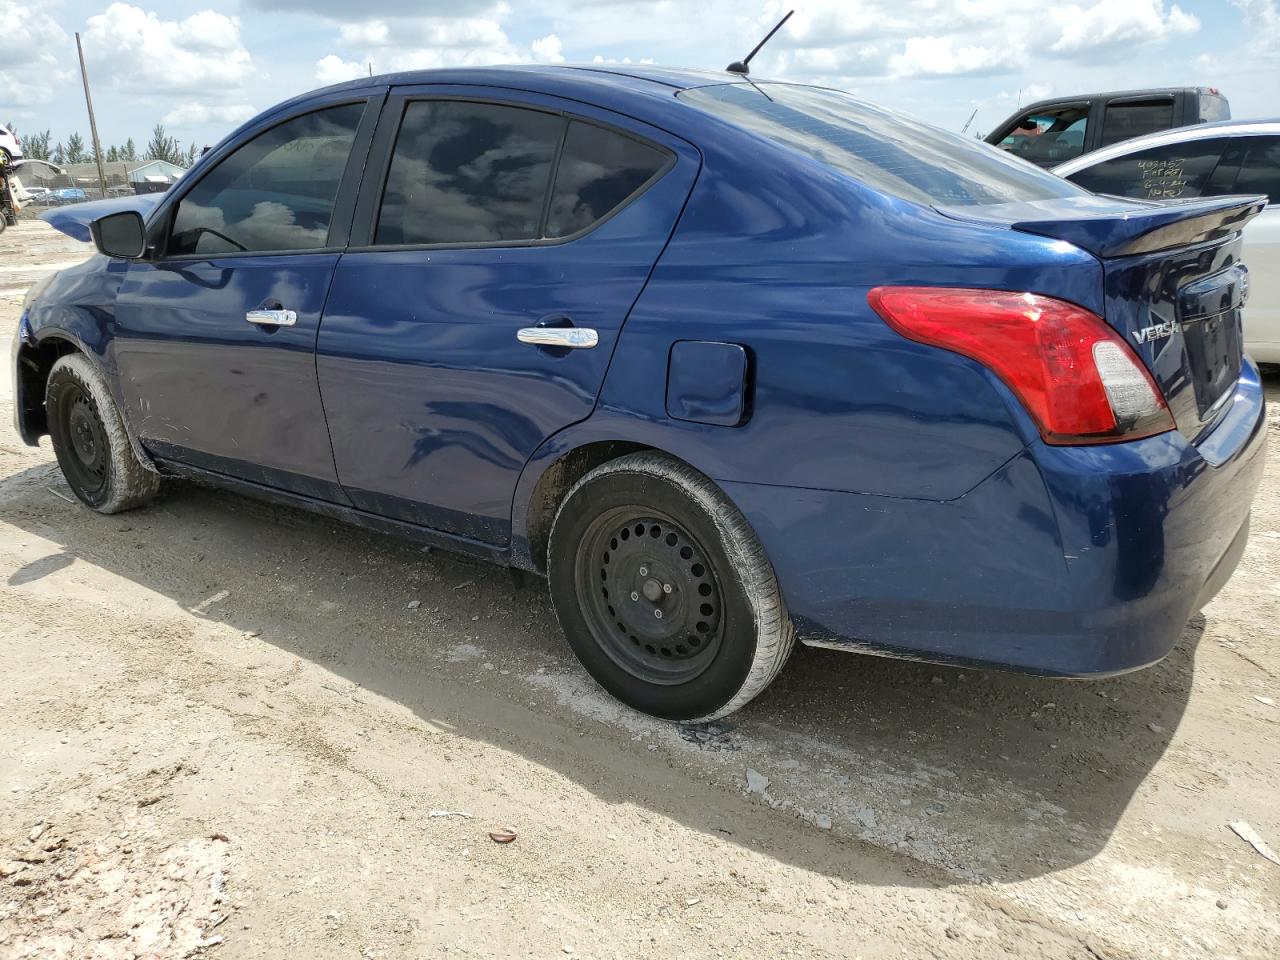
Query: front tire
664	592
90	441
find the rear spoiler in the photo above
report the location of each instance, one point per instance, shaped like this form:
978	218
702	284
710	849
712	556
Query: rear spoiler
1117	227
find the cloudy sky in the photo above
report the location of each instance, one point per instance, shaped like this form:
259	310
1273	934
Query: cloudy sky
201	67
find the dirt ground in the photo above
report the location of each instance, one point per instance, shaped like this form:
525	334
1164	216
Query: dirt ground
232	729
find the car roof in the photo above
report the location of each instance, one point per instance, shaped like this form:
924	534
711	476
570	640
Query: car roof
1198	131
615	85
641	78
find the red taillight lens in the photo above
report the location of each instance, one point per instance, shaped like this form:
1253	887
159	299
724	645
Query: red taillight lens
1077	378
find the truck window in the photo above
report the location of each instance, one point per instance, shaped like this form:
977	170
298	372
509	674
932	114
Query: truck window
1169	172
1124	120
1049	137
1214	107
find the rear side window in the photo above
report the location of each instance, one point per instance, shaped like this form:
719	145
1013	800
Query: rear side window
1169	172
1123	121
465	172
274	193
1260	169
599	170
887	151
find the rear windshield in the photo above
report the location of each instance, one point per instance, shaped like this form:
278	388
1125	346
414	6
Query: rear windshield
1214	107
890	152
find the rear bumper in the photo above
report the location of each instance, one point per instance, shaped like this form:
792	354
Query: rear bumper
1068	561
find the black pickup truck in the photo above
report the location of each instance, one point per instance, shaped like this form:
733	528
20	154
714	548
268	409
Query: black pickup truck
1052	131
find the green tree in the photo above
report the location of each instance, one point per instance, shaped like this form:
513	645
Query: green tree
37	146
163	147
74	151
129	152
113	153
193	154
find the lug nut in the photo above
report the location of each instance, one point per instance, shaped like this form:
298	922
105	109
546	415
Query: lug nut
658	614
644	571
666	588
634	595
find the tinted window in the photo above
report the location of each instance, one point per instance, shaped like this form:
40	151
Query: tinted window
1049	137
274	193
889	152
1125	120
1260	171
467	173
598	171
1158	173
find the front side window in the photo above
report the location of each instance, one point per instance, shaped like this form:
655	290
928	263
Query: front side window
1125	120
599	170
1049	137
1170	172
466	172
274	193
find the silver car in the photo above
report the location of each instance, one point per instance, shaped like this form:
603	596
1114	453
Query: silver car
1212	159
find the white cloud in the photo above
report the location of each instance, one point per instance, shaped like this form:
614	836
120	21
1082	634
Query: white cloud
1262	24
333	69
194	114
141	53
419	43
942	56
548	49
1114	23
30	72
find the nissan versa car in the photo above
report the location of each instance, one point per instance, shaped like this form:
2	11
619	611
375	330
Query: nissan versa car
731	363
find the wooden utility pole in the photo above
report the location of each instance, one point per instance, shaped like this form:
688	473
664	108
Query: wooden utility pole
93	123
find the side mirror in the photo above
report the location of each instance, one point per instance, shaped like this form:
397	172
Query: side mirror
120	235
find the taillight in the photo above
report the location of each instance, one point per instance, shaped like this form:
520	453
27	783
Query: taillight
1077	378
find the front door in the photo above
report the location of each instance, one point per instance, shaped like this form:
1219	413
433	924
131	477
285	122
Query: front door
507	236
215	334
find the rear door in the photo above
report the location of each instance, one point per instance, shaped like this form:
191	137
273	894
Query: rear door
500	241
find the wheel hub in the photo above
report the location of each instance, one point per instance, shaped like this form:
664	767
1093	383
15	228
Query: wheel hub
657	609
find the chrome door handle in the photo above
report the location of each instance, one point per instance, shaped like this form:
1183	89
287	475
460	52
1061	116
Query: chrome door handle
272	318
575	338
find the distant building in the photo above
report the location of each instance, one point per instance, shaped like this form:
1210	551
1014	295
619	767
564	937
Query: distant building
136	176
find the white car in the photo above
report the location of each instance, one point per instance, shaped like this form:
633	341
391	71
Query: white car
1211	159
10	147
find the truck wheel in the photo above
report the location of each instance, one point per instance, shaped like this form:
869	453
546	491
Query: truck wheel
664	592
90	441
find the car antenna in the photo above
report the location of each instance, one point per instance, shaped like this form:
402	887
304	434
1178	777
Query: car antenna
744	66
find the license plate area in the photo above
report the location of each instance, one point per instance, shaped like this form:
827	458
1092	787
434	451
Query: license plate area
1213	354
1209	311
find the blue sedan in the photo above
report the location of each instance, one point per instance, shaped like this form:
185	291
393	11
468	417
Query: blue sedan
731	363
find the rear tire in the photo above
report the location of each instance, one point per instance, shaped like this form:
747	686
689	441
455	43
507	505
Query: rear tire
664	592
90	441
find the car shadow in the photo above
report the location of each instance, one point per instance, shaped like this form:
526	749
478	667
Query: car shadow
991	776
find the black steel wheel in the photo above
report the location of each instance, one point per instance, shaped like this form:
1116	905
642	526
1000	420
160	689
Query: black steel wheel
651	596
90	441
88	451
663	590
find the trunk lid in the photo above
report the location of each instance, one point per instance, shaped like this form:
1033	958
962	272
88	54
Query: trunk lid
1173	284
